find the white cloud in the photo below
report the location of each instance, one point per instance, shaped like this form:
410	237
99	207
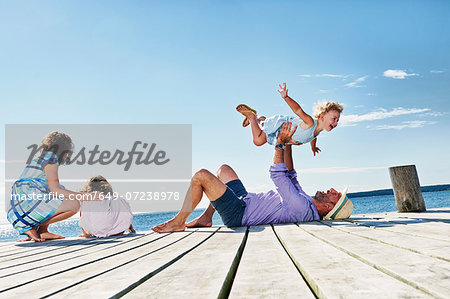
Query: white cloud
434	114
356	82
437	71
341	169
332	75
323	75
406	124
371	94
322	91
349	120
397	74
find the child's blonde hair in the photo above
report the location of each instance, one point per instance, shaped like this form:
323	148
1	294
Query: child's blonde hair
58	143
324	107
98	183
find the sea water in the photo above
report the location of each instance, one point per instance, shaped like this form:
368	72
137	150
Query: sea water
144	222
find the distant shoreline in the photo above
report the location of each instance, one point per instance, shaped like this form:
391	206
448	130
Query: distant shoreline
432	188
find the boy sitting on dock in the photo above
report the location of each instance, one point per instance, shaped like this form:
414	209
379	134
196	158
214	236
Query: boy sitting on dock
237	207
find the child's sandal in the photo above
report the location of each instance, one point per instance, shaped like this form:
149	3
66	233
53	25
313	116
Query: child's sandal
246	121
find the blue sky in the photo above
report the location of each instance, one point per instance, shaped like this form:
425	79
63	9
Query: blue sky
192	62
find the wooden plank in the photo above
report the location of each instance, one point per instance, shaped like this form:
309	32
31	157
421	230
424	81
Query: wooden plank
429	231
6	246
333	273
8	243
438	217
110	277
32	277
425	273
24	249
200	274
429	247
437	214
265	269
13	267
401	219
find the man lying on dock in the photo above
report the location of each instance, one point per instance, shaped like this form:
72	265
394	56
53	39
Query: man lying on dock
237	207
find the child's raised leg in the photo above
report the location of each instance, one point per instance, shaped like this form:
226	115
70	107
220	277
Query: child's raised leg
259	137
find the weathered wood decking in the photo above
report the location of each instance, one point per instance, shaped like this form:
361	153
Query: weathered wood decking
368	256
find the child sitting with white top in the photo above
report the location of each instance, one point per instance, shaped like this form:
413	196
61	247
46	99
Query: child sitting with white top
110	216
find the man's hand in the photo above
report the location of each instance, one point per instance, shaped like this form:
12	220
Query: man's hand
315	150
283	91
285	134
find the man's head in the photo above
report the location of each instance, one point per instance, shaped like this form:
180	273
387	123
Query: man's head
333	204
325	200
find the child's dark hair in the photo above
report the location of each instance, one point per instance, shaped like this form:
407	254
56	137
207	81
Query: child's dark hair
60	144
98	183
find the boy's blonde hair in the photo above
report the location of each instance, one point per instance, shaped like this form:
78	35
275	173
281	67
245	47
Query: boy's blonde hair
98	183
58	143
324	107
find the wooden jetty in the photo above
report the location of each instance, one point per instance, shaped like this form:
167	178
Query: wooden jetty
384	255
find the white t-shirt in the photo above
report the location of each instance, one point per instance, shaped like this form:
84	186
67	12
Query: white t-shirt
105	218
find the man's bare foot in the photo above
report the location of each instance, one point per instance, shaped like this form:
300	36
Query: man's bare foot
32	235
170	226
199	222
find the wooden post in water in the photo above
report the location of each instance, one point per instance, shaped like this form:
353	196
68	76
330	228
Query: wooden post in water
405	182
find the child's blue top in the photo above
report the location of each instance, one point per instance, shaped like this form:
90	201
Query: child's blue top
272	127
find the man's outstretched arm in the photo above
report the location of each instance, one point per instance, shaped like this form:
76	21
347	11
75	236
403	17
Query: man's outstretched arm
280	151
288	157
285	157
288	161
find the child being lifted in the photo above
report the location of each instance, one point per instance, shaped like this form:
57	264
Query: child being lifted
266	130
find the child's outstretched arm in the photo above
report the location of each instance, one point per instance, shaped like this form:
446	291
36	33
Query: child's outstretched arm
314	148
295	107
